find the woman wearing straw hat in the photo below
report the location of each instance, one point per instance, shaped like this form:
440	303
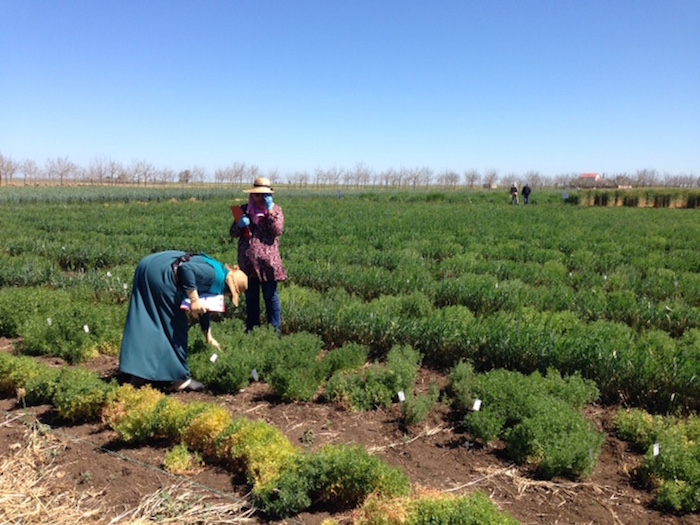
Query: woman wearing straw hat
258	232
154	346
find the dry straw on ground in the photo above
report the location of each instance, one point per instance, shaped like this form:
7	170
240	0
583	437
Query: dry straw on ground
30	477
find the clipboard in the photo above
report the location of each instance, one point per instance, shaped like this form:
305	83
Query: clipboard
237	216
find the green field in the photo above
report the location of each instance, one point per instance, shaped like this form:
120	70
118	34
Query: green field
610	292
538	309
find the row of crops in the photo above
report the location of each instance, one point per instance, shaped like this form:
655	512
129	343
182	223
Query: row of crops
535	311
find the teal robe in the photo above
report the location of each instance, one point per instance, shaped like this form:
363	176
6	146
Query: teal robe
154	345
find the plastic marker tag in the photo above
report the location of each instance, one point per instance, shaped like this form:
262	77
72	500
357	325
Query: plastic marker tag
255	374
656	449
477	405
213	358
402	396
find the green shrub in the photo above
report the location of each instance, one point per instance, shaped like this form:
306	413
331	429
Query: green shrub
172	417
432	508
203	431
417	406
74	329
555	440
377	385
231	371
80	394
537	416
350	356
40	388
477	509
288	493
263	449
678	496
180	461
131	412
298	370
16	371
638	427
345	475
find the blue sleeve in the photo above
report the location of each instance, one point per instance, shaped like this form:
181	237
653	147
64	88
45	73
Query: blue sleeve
186	277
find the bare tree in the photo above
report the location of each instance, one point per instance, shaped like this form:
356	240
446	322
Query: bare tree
165	176
274	176
448	179
471	178
30	170
8	168
142	172
362	174
646	178
534	179
490	177
98	170
199	174
238	172
622	179
114	171
60	168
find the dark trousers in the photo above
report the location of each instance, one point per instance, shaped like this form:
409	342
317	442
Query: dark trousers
273	306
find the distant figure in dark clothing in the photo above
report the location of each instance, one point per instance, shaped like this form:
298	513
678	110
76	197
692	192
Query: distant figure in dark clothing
514	194
526	193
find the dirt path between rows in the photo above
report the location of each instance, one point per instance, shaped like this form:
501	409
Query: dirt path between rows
433	454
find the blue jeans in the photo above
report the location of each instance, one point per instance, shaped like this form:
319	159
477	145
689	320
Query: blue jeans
273	306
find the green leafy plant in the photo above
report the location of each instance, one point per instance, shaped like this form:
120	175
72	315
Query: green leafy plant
376	385
80	394
131	412
181	461
431	507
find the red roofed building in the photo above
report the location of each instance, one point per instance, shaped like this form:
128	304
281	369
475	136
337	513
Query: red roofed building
593	180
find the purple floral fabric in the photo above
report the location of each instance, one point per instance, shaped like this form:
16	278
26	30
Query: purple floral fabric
259	255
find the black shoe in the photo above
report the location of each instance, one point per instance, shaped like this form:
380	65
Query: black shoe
132	380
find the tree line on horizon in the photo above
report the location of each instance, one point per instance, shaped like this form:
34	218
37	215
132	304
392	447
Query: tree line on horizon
106	171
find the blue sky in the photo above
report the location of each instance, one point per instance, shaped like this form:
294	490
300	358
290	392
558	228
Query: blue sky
508	85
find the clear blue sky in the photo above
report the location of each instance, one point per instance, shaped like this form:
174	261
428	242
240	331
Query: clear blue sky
556	87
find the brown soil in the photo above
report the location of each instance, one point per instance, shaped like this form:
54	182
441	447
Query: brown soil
433	454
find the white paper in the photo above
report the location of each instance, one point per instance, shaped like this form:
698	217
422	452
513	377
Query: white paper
213	303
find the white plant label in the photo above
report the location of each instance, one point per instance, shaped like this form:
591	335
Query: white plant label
656	449
402	396
255	374
213	358
477	405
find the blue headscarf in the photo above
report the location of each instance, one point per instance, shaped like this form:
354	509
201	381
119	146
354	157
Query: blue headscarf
217	288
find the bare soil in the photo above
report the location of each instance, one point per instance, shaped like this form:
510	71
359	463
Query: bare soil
434	454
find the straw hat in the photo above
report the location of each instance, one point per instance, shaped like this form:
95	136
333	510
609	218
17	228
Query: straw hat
261	185
237	282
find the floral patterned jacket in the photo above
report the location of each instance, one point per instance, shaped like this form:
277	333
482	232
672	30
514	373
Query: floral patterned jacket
259	255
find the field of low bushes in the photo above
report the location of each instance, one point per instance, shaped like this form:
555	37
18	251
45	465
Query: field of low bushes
534	312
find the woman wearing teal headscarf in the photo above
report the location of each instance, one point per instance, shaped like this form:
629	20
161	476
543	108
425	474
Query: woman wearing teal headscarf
154	345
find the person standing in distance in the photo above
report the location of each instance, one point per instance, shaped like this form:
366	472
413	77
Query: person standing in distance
258	233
